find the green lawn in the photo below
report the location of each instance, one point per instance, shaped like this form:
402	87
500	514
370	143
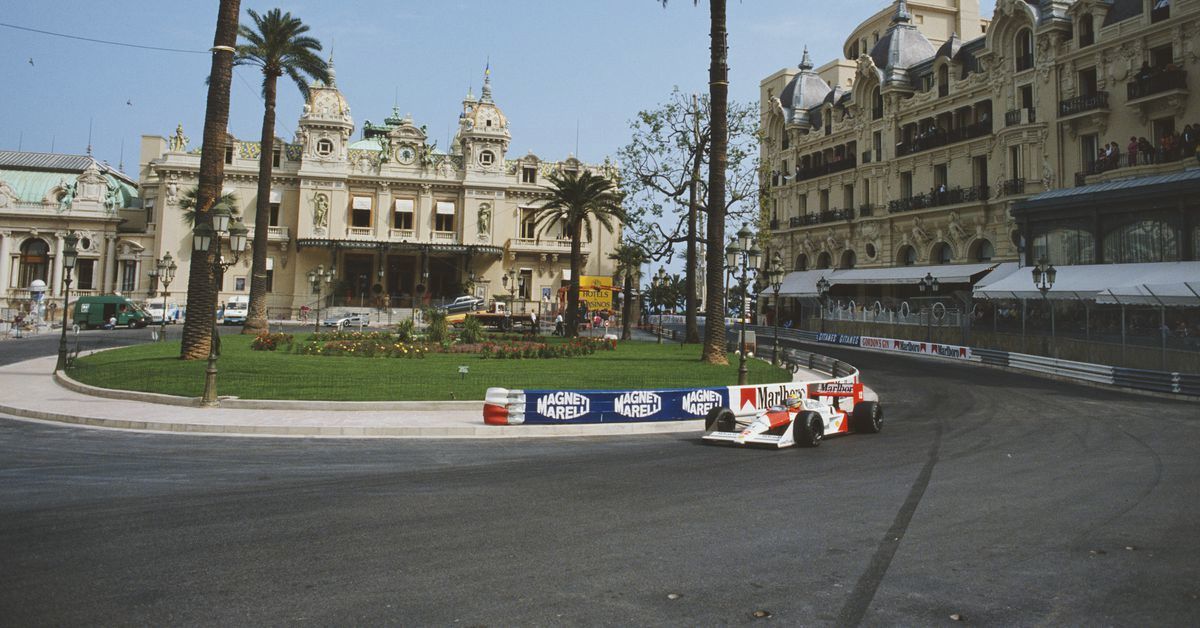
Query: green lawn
280	375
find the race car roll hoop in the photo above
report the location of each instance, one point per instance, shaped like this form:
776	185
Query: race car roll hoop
732	414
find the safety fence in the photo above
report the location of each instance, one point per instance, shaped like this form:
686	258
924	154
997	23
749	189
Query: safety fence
1167	382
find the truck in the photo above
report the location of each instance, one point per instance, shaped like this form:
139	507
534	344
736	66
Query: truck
236	309
99	311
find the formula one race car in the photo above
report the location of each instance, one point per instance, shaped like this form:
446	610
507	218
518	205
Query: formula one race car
797	421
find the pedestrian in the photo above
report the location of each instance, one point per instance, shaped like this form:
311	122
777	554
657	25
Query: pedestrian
559	330
533	321
1132	149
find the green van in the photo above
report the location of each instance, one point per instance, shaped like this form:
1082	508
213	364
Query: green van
91	312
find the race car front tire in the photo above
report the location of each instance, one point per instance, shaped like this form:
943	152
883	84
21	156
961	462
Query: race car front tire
720	420
808	429
867	417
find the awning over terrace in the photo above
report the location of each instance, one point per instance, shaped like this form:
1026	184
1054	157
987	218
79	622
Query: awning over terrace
804	283
1110	282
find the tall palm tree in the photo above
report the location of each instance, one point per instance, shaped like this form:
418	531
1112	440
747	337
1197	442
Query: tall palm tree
629	259
575	200
718	93
276	44
201	292
187	202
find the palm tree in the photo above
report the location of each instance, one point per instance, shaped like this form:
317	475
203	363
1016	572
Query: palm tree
629	258
201	292
276	44
718	93
187	203
576	199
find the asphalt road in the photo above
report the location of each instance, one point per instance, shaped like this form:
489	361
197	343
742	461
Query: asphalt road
1002	498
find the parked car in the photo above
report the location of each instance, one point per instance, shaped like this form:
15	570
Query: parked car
350	320
236	310
155	309
465	303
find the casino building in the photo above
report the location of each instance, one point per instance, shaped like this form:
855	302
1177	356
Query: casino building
945	144
401	222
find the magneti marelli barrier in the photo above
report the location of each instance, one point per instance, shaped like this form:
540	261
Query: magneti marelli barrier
504	406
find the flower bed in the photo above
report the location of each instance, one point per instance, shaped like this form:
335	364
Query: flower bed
382	344
269	342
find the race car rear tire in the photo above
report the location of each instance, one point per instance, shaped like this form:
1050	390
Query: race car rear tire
720	419
867	417
808	429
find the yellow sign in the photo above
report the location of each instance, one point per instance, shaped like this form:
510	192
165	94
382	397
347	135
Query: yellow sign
596	292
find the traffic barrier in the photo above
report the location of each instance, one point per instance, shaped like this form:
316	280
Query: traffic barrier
1097	373
503	406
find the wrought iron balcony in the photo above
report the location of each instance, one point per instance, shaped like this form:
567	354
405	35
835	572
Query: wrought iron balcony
1157	83
936	138
1083	104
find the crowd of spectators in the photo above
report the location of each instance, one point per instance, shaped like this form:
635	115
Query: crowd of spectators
1171	147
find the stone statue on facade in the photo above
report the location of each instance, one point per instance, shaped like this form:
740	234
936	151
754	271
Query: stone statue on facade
320	210
173	189
112	198
483	221
68	195
178	142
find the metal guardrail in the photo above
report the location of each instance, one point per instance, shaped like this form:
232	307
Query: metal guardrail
1097	373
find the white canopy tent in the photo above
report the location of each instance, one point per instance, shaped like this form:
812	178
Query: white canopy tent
1089	281
803	283
1186	293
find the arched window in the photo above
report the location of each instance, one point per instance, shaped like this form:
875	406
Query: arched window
849	259
824	261
35	261
942	253
982	251
801	262
876	104
1024	49
1065	244
907	256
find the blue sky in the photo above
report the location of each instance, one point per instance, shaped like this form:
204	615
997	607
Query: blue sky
556	65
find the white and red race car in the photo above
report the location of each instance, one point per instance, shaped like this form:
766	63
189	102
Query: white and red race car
799	420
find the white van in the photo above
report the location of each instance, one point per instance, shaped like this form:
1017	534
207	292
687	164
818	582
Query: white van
236	309
155	308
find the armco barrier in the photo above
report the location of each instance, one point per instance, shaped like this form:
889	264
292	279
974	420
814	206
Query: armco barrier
1152	381
557	407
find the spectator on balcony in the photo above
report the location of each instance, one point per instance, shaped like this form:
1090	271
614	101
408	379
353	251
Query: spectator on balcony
1132	149
1146	71
1146	150
1166	147
1114	155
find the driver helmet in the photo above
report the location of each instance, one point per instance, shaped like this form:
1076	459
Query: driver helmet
792	399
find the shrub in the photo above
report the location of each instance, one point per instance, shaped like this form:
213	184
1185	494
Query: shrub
404	330
439	329
267	341
472	331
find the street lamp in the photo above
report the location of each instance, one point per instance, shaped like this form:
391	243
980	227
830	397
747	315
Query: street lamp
929	284
823	286
1044	275
775	277
165	271
742	253
659	283
69	255
509	281
206	239
316	277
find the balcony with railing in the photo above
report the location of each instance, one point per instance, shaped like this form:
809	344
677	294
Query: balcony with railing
1080	105
445	237
835	215
274	234
1012	186
402	234
840	165
1157	85
866	210
803	220
360	232
938	198
539	245
935	137
1020	116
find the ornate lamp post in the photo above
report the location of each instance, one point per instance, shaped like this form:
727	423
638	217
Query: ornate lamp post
207	239
509	281
659	283
823	286
69	255
775	277
929	284
743	253
1044	275
165	271
316	277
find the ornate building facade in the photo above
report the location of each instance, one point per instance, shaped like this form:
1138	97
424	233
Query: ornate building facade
400	222
46	196
914	149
